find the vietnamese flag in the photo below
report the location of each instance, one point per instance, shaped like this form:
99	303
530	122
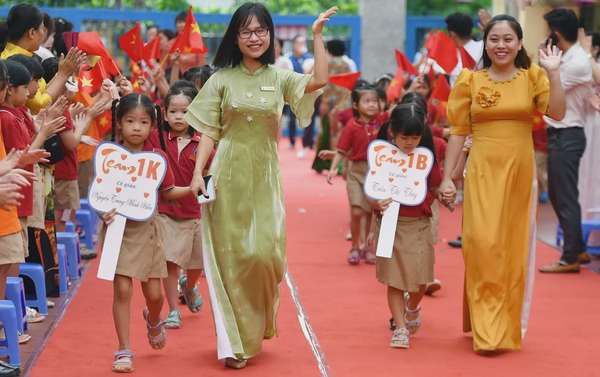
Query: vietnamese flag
396	87
466	59
345	80
132	43
151	51
190	39
441	89
90	43
89	82
402	61
443	50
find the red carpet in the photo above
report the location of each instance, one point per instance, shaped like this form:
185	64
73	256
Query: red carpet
348	311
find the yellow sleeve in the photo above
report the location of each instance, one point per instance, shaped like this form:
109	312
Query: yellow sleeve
204	113
302	104
541	88
41	99
459	105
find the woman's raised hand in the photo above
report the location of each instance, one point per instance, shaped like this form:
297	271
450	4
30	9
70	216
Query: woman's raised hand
319	23
550	57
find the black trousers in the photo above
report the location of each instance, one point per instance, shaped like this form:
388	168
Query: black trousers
287	110
565	148
308	138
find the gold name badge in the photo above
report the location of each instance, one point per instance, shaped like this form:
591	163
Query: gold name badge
267	88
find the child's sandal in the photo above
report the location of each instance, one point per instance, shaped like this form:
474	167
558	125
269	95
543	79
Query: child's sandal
123	362
412	325
191	297
156	341
370	257
354	257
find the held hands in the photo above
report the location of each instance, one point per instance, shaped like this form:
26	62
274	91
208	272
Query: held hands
550	58
197	186
320	22
447	193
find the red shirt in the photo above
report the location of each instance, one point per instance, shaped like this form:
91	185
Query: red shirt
183	170
356	137
66	169
16	136
28	120
440	150
424	209
344	116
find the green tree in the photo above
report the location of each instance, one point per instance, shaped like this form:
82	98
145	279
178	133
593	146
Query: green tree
444	7
311	7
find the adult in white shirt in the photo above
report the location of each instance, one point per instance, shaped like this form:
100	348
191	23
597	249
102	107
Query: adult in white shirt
566	138
281	61
460	27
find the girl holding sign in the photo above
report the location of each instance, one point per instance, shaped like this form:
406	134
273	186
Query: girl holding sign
353	144
243	230
411	266
142	254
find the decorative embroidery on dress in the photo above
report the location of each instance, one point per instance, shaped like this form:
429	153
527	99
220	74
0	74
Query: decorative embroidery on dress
487	97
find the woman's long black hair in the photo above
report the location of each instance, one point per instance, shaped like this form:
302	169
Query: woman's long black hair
522	60
120	107
229	54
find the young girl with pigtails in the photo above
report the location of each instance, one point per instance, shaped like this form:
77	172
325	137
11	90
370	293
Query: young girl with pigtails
142	254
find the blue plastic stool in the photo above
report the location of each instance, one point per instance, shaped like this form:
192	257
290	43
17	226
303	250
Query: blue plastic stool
69	227
10	345
15	292
63	282
71	243
559	235
85	204
85	220
36	273
588	227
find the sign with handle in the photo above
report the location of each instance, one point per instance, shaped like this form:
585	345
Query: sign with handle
399	176
127	182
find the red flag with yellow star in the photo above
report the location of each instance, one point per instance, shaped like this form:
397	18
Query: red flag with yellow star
132	43
190	39
89	83
152	51
91	43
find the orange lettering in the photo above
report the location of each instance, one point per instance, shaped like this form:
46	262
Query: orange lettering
421	162
141	162
152	167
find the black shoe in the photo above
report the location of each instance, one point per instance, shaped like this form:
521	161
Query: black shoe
7	370
88	255
457	243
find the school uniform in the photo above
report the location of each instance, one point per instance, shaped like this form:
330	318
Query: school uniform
411	264
17	136
66	187
354	144
142	254
180	218
12	249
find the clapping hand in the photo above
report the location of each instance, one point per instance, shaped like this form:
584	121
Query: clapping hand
33	156
9	195
550	57
10	161
319	23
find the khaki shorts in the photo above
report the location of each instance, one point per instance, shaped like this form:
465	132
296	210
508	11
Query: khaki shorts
355	181
183	240
85	172
66	194
12	249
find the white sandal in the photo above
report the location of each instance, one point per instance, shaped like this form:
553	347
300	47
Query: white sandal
159	340
412	325
123	362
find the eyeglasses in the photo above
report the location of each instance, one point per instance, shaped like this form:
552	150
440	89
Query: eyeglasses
247	34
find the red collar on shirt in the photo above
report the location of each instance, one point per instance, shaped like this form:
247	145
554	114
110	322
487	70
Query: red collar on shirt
195	136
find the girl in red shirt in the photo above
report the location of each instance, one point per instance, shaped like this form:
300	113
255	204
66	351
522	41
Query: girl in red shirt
181	218
142	253
411	266
353	144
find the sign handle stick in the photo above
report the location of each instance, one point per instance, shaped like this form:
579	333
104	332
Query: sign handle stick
111	248
387	232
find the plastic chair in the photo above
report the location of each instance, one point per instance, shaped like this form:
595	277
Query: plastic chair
85	204
71	243
63	282
85	220
588	227
36	273
69	227
15	292
10	345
